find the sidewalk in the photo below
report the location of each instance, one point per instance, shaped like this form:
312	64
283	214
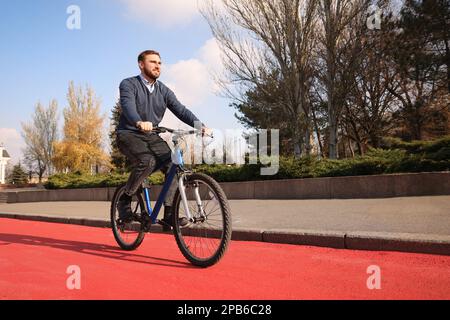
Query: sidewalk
412	224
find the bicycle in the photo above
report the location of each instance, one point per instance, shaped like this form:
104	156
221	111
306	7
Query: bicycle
198	197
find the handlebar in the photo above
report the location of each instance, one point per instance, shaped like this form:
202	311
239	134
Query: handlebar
178	132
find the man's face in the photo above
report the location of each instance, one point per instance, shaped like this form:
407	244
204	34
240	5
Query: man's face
151	66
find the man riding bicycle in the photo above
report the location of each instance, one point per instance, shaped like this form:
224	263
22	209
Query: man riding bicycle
143	101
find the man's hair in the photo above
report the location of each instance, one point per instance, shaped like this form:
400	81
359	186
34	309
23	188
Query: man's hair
142	56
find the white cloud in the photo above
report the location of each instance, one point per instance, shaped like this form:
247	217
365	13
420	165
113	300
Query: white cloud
189	80
13	143
192	80
165	13
210	54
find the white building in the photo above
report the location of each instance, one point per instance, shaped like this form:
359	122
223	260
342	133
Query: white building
4	158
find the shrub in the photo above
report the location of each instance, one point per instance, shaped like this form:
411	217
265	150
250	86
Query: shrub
81	180
395	156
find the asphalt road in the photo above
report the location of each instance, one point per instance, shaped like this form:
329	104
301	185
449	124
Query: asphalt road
46	261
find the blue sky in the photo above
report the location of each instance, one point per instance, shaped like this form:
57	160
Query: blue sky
39	55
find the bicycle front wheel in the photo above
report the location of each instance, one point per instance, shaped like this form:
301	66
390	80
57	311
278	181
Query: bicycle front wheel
205	239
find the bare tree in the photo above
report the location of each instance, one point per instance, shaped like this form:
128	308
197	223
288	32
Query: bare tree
342	22
257	37
39	136
367	115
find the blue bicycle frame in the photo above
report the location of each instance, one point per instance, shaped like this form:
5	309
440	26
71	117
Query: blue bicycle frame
169	178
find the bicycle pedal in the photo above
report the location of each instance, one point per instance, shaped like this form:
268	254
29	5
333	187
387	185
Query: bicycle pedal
125	221
163	223
166	227
146	227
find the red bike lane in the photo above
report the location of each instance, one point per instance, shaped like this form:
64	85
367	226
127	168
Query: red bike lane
47	261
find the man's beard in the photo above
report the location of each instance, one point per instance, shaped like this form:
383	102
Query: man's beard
150	75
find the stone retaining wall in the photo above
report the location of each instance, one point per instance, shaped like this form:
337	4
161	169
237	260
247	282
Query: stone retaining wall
376	186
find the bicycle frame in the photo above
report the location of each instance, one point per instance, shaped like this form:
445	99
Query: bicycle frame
174	168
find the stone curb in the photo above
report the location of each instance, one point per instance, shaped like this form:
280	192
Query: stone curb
407	242
319	238
373	241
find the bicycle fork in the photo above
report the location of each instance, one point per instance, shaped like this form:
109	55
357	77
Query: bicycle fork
198	200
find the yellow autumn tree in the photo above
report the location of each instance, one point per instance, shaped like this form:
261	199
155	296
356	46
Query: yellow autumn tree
81	148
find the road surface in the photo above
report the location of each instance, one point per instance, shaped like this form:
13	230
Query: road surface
47	261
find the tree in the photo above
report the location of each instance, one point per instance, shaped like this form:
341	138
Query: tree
316	65
257	37
342	23
81	147
438	124
367	114
118	160
427	22
263	109
39	136
8	171
420	81
18	175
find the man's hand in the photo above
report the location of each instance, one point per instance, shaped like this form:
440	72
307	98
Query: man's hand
144	126
207	132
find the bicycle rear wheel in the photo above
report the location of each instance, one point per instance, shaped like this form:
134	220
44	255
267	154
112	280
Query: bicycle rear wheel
204	241
130	235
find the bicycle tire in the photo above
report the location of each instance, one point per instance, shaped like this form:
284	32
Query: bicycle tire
140	233
181	234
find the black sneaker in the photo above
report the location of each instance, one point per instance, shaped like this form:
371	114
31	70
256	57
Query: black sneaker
183	222
124	207
167	221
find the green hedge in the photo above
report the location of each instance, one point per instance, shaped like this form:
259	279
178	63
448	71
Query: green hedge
394	156
79	180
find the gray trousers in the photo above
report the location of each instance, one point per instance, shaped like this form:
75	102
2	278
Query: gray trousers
146	152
